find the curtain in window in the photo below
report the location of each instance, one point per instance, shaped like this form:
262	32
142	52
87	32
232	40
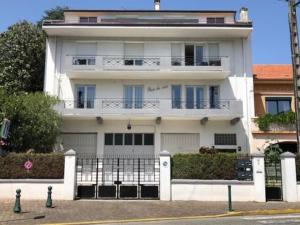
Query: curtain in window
90	97
138	97
80	96
176	97
199	98
189	97
128	97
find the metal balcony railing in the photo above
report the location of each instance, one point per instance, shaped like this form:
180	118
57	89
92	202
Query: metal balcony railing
130	61
192	61
202	104
144	104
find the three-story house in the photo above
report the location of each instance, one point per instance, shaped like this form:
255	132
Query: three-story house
143	81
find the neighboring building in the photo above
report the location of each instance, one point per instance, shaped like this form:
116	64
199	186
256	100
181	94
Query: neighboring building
140	81
274	94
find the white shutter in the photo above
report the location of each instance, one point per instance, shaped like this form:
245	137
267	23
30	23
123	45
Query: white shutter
89	49
213	50
134	49
175	50
82	143
176	143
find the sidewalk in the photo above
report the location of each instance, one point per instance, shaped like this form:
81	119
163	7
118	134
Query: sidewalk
82	211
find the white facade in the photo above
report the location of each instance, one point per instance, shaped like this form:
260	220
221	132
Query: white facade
181	82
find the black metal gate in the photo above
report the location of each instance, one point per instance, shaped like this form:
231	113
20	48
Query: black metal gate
273	180
118	177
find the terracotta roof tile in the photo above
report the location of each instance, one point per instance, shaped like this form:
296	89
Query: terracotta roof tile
273	72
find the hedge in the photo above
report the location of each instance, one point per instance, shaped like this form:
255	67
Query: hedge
219	166
45	166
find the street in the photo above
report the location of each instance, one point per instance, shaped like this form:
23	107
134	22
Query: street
249	220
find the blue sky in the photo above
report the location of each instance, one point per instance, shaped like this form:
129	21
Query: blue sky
270	36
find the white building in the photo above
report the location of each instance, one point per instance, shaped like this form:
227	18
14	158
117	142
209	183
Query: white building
140	81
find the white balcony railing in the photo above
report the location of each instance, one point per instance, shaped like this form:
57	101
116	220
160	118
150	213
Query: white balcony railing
151	107
120	63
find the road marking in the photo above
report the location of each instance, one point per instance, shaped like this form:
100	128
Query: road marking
272	217
279	221
145	220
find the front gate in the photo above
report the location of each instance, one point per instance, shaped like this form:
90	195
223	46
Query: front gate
118	177
273	180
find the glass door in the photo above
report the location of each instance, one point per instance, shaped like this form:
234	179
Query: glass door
176	96
214	97
190	97
194	97
199	55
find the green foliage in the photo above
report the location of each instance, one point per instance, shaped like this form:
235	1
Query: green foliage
219	166
286	118
272	153
34	123
22	58
56	13
45	166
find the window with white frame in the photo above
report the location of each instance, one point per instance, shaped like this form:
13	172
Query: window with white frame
85	54
134	54
133	96
85	96
129	139
194	97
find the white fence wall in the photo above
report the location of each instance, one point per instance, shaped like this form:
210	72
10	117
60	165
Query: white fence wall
212	190
33	189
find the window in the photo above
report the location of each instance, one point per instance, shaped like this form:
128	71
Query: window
138	139
225	139
194	97
91	19
148	139
85	96
275	105
215	20
108	139
134	54
176	96
124	139
214	55
133	96
176	59
194	55
214	97
84	60
128	139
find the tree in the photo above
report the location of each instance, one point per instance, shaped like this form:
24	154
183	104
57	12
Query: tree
34	122
22	58
56	13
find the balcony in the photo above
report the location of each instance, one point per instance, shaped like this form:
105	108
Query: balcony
274	128
120	67
151	109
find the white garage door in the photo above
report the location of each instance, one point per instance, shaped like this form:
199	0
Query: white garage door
82	143
176	143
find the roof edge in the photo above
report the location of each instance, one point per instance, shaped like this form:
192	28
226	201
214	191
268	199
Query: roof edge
152	11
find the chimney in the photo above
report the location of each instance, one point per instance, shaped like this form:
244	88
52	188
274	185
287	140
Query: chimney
244	15
157	5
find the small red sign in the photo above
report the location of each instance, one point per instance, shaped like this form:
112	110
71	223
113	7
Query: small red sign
28	165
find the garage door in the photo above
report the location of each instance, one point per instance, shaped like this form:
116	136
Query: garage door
176	143
138	144
82	143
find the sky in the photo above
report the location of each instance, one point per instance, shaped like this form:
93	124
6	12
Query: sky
270	38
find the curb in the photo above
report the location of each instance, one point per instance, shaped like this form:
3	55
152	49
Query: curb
229	214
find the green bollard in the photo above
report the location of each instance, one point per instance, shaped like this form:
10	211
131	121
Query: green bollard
49	199
17	208
229	199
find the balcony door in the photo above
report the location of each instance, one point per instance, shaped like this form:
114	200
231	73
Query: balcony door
134	54
194	55
214	97
85	96
133	96
194	97
176	96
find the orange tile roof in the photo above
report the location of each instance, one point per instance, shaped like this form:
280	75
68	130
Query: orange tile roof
273	72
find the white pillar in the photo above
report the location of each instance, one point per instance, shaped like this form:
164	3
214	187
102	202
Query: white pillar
258	163
157	139
289	177
70	175
165	176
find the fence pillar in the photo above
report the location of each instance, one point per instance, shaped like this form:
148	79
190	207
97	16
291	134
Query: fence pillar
289	177
165	175
258	162
70	175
